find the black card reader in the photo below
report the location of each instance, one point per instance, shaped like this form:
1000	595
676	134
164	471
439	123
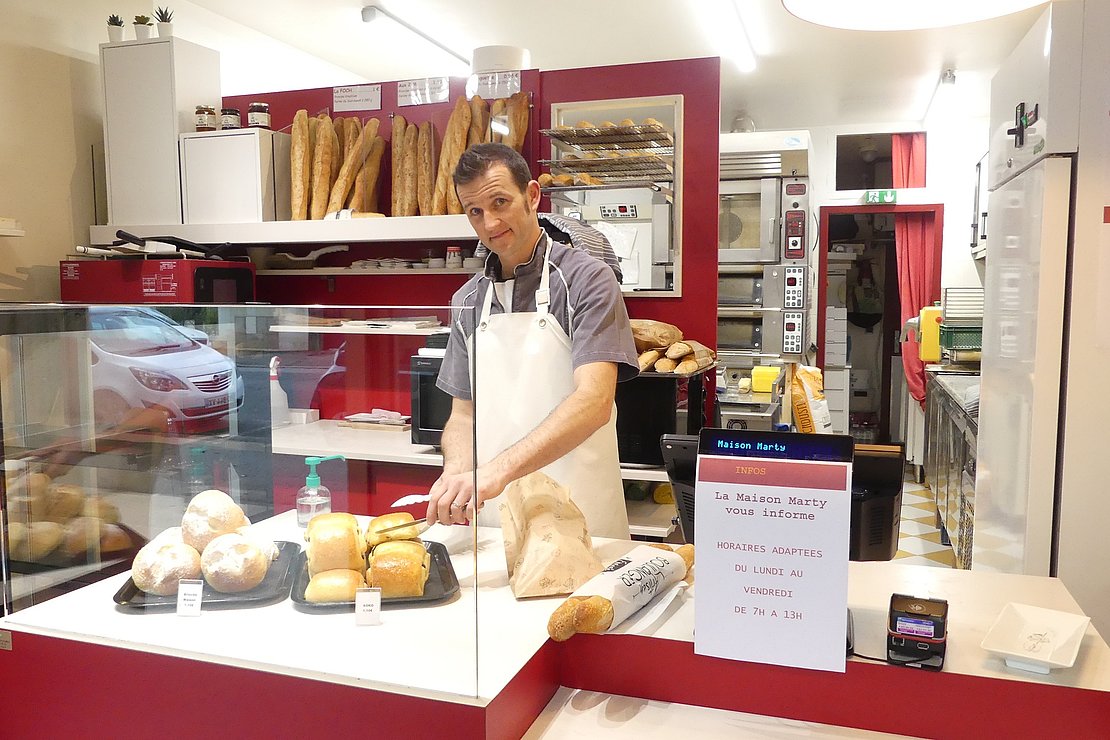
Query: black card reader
917	630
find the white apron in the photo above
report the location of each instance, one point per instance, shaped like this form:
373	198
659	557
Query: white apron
523	372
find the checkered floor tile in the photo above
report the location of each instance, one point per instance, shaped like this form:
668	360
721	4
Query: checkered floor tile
918	537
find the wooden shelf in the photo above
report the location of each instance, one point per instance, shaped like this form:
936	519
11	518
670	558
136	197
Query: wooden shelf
348	272
357	329
389	229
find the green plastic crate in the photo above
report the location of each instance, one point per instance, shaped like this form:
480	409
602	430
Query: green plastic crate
961	337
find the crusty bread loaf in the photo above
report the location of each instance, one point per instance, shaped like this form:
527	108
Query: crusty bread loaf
586	614
210	514
232	563
161	564
692	364
563	180
665	365
334	542
64	501
545	180
385	521
409	203
454	142
337	157
322	157
517	109
397	161
479	122
497	113
356	155
680	350
334	586
340	125
648	358
426	168
399	568
364	194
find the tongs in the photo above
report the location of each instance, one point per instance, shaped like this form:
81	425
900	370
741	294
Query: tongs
421	525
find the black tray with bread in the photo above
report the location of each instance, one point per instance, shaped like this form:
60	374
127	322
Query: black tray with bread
274	587
442	584
62	557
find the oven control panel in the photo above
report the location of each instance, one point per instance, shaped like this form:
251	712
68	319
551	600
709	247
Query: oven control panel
610	211
795	235
792	332
794	287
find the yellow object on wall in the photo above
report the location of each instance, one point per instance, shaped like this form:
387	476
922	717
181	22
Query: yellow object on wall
928	349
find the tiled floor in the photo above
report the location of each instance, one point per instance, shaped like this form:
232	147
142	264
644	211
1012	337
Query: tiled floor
918	537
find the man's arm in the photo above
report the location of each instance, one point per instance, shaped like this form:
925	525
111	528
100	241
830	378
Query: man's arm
457	440
580	414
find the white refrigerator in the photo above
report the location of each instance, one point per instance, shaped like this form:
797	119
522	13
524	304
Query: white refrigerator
1034	140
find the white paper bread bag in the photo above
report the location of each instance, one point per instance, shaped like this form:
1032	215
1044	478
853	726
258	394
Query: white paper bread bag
548	550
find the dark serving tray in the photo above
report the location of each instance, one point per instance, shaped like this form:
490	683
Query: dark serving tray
274	587
442	583
58	558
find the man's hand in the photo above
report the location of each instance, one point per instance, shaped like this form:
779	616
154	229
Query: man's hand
452	496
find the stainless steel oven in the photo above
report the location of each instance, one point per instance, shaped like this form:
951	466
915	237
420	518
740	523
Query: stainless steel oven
761	309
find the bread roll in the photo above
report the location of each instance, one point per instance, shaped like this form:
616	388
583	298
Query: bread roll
102	509
210	514
665	365
397	152
39	540
545	180
399	569
692	364
17	535
334	586
232	563
385	521
648	358
606	124
497	113
334	542
445	200
161	563
517	108
680	350
37	484
409	203
563	180
627	122
113	538
81	536
479	122
64	501
651	122
584	124
426	168
322	158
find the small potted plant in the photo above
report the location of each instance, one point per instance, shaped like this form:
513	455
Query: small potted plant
115	29
164	16
142	27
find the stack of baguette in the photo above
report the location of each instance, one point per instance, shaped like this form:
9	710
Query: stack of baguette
663	349
334	165
342	559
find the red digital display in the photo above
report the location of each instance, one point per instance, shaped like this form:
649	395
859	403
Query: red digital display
791	281
790	326
795	188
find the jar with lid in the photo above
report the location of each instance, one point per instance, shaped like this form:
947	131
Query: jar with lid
454	258
229	118
206	118
258	115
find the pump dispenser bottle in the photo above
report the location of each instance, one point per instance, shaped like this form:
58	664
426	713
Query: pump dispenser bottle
314	498
279	400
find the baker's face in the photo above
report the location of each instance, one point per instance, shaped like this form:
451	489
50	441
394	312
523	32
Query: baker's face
503	216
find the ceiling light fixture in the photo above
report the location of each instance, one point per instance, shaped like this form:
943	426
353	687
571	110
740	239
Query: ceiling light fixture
943	101
901	15
370	12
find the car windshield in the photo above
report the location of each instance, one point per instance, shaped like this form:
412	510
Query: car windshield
135	335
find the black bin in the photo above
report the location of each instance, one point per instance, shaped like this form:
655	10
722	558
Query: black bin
876	501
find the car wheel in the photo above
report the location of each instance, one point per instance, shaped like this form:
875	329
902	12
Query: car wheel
109	408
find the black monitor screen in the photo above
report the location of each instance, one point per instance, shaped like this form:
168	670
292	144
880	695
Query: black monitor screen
776	445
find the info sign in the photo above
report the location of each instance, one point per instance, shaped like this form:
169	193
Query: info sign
773	512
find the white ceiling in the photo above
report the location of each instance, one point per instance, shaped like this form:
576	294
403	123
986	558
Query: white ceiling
806	76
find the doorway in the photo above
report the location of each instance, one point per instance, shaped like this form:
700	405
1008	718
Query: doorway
861	336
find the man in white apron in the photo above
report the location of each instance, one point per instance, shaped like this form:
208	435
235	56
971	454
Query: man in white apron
538	342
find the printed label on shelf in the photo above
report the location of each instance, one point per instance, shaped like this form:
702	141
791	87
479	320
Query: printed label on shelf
368	606
189	596
492	85
421	92
356	97
5	640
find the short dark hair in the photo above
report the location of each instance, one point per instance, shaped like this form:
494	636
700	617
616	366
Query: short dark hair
478	159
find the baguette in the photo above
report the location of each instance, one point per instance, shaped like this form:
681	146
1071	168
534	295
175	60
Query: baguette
517	108
337	156
665	365
359	148
313	125
341	132
682	350
648	359
358	199
300	166
397	150
321	169
589	614
352	129
364	195
497	113
454	142
692	364
426	170
409	205
479	122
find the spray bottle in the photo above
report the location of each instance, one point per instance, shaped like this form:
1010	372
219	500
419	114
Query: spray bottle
314	498
279	401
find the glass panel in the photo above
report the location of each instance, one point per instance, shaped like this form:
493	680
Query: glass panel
740	220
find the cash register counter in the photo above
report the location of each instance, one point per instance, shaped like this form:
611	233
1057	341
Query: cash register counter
77	661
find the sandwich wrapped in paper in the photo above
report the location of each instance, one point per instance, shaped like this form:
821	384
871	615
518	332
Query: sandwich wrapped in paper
548	550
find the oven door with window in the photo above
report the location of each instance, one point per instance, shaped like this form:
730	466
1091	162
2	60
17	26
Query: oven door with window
748	215
740	330
740	285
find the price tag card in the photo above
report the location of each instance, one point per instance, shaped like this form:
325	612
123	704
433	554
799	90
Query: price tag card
421	92
189	597
368	606
492	85
356	97
771	535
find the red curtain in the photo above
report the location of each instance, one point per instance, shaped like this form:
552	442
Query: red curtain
915	243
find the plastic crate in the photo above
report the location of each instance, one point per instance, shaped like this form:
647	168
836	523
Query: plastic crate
961	337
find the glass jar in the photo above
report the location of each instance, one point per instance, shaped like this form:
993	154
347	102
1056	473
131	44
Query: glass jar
258	115
206	118
229	118
454	258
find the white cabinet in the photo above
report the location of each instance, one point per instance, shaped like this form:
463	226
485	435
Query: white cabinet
151	90
235	176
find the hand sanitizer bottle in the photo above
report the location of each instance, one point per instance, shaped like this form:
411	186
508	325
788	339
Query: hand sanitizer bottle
279	401
314	498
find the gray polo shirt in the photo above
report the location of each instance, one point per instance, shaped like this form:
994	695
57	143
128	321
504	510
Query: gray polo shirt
595	318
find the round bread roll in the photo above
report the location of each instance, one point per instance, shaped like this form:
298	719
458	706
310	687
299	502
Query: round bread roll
102	509
39	540
81	535
545	180
233	563
210	514
17	534
160	564
171	534
113	538
606	124
584	124
651	122
627	122
65	502
333	586
37	484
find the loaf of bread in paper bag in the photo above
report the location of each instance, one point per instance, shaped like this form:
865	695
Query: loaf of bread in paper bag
620	590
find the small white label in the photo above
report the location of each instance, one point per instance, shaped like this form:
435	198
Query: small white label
5	640
189	596
356	97
368	606
493	85
421	92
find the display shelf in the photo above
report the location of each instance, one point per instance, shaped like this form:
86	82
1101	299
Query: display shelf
357	329
386	229
348	272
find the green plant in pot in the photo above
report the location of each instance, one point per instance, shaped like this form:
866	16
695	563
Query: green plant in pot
164	17
142	27
115	28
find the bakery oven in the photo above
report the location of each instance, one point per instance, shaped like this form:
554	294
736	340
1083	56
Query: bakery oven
761	310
